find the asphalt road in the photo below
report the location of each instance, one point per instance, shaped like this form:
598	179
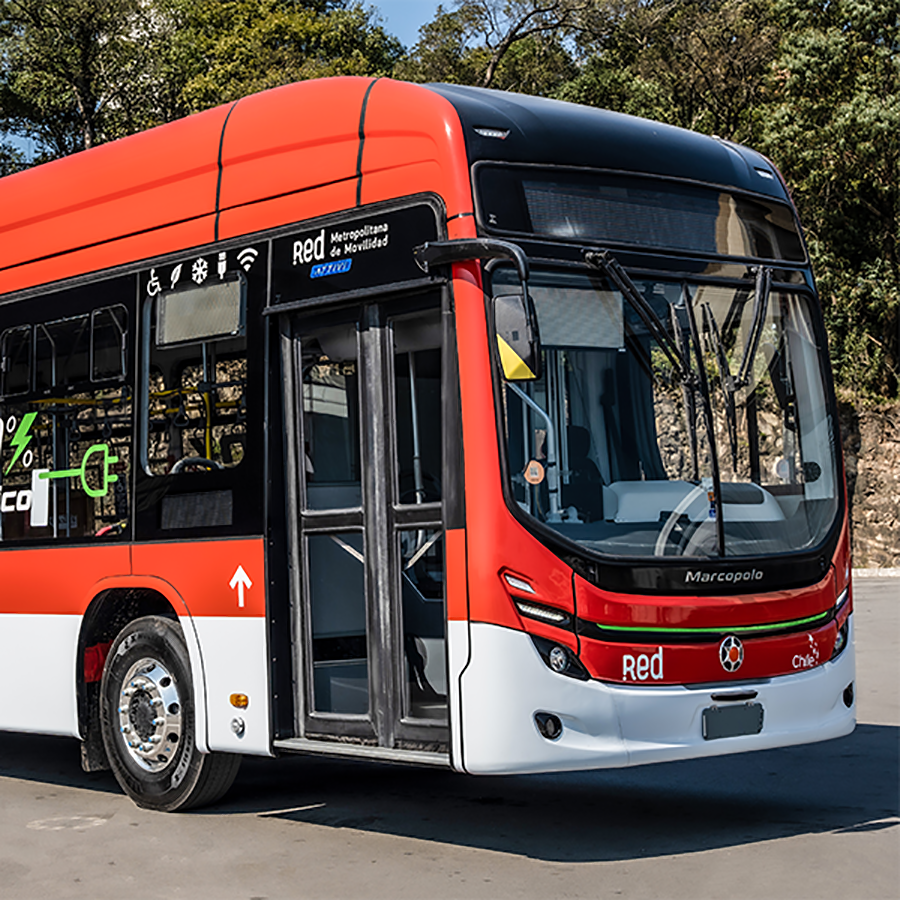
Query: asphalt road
818	821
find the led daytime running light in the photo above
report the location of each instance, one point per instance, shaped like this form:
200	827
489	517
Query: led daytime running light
541	612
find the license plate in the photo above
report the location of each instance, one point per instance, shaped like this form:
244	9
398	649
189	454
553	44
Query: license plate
731	721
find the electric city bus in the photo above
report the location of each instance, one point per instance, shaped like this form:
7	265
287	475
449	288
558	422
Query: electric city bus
426	424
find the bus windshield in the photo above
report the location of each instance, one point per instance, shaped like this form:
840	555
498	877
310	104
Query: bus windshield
656	414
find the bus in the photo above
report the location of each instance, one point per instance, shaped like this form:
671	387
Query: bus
425	424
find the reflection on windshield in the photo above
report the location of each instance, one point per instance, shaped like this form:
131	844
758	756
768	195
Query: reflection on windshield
616	445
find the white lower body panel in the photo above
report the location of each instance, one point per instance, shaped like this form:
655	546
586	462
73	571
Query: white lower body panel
604	725
37	670
235	659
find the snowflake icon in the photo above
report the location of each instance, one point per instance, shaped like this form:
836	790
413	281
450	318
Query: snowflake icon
199	271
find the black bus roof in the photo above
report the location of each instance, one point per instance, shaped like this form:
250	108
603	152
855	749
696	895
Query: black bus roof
553	132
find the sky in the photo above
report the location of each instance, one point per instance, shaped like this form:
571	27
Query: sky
403	18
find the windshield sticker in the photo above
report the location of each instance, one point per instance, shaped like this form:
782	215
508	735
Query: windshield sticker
534	472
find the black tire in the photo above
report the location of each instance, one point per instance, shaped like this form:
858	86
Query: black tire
148	722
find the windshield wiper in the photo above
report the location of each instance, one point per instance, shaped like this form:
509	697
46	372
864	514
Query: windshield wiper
708	417
711	327
606	262
760	308
688	394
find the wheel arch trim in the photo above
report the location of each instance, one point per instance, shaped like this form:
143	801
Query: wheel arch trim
166	590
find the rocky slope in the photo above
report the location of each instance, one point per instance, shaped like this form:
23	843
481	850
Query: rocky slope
871	439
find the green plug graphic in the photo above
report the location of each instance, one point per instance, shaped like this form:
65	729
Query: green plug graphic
82	471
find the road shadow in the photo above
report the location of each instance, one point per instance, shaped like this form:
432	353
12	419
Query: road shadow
843	786
846	785
51	761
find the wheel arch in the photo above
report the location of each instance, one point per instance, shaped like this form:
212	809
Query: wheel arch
114	603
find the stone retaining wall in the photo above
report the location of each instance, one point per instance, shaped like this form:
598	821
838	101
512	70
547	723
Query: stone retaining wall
871	439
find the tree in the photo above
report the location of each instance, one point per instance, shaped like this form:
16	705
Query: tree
833	127
229	48
75	73
72	72
700	64
508	44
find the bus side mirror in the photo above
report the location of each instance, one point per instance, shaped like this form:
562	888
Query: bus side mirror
518	340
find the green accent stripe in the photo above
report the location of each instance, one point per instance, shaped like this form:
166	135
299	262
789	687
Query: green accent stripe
741	629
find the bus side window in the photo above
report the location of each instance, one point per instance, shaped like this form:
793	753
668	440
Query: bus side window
65	427
197	407
15	351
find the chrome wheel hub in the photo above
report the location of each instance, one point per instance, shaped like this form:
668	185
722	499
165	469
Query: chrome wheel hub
150	714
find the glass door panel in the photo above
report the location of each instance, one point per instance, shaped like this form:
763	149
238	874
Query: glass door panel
371	636
337	605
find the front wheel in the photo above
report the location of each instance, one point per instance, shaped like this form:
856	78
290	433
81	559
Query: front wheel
147	719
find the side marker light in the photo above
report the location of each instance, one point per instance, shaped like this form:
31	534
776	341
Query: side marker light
239	701
501	134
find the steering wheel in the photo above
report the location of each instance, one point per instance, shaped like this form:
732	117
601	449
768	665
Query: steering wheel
674	516
195	464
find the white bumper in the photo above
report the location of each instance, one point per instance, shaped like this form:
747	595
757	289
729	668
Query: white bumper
604	725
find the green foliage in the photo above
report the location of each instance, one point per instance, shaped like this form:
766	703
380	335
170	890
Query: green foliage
832	124
699	64
73	72
11	160
514	45
231	48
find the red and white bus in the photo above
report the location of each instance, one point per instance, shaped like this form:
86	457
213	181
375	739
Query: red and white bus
427	424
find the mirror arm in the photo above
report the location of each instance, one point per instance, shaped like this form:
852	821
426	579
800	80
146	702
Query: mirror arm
439	253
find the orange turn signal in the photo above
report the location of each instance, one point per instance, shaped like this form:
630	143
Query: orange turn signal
240	701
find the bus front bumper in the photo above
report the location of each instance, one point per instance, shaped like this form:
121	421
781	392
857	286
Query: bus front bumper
506	684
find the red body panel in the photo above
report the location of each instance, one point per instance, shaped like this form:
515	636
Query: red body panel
194	576
700	664
288	154
202	571
414	143
58	581
128	187
292	139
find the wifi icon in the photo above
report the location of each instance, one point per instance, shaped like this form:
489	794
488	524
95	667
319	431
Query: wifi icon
247	257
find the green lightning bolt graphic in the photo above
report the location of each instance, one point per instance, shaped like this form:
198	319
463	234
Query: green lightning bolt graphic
21	439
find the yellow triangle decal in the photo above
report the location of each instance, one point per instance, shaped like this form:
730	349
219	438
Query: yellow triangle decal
514	367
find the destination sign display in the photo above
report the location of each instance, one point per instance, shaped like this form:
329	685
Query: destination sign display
375	249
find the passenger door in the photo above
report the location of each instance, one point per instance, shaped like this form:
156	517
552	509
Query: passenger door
370	620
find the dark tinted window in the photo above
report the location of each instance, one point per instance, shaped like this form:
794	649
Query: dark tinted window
644	212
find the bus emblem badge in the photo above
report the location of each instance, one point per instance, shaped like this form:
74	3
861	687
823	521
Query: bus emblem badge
731	654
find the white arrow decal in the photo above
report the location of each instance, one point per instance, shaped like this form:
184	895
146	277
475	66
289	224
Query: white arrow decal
242	581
